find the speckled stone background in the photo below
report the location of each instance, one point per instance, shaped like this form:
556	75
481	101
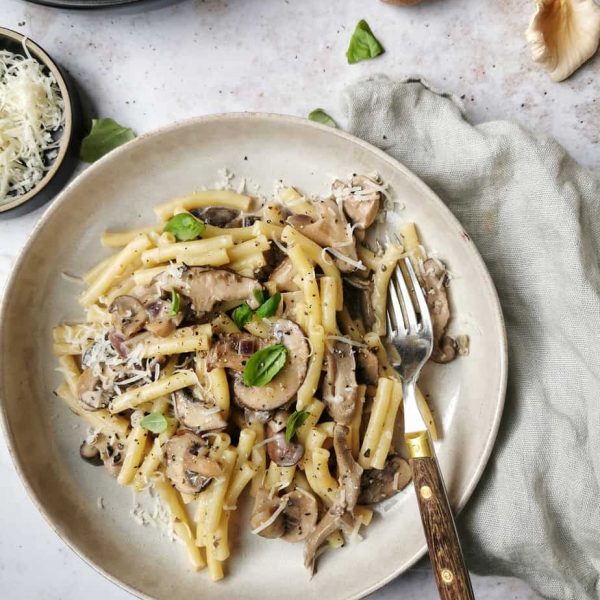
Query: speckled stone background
154	62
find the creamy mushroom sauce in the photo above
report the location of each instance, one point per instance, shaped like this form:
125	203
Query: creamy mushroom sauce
235	348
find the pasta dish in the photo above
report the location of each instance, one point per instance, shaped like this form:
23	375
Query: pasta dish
237	348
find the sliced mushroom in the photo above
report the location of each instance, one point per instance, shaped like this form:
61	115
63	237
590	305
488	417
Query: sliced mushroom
367	366
349	471
283	276
91	454
335	518
232	351
358	294
90	394
330	229
128	315
218	216
284	453
339	384
188	466
361	205
434	280
378	484
256	416
197	410
281	389
297	518
161	320
207	287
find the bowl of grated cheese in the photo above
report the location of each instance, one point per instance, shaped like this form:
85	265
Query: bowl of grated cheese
39	125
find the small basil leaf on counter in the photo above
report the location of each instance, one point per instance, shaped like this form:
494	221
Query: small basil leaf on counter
363	44
175	303
184	227
295	421
268	308
263	365
105	135
320	116
154	422
241	315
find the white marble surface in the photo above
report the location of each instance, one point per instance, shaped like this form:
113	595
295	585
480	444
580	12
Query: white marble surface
151	63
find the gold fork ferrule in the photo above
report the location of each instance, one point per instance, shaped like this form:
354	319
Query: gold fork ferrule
418	444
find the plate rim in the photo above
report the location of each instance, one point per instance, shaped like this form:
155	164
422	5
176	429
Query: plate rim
291	120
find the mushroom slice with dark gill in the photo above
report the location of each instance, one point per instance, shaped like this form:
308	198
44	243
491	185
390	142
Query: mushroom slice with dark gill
367	366
90	394
331	230
217	216
197	410
188	466
339	384
128	315
335	518
281	389
232	350
378	484
361	200
292	517
99	451
161	320
91	454
207	287
282	452
349	471
434	281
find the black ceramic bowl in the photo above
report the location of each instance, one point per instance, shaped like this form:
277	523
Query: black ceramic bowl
62	166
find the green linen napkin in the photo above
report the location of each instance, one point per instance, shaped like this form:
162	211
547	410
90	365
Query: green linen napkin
534	214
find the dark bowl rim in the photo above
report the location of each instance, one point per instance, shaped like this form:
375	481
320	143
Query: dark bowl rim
43	57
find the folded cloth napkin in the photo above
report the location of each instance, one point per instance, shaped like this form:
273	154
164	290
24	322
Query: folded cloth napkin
534	214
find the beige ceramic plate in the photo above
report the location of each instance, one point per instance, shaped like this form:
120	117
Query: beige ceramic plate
119	192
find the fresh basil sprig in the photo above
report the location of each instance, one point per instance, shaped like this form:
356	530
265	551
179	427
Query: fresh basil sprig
154	422
104	136
241	315
175	302
269	307
263	365
184	227
320	116
363	44
294	422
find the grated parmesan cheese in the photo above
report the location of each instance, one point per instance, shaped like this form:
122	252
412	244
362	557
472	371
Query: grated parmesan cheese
31	114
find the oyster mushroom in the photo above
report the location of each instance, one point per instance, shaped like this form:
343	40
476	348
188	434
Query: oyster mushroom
283	276
563	34
232	351
378	484
292	517
90	394
197	410
128	315
367	366
349	471
161	320
282	388
331	230
188	466
360	205
280	451
339	384
218	216
434	280
207	287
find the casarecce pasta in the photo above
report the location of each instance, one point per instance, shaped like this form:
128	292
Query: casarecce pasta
236	348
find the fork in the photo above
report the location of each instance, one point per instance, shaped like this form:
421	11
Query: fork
410	331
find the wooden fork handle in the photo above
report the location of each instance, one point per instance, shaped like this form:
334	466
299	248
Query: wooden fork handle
446	556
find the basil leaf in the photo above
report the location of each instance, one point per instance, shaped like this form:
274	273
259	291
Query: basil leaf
268	308
363	44
184	227
105	135
241	315
320	116
295	421
175	302
260	296
154	422
263	365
